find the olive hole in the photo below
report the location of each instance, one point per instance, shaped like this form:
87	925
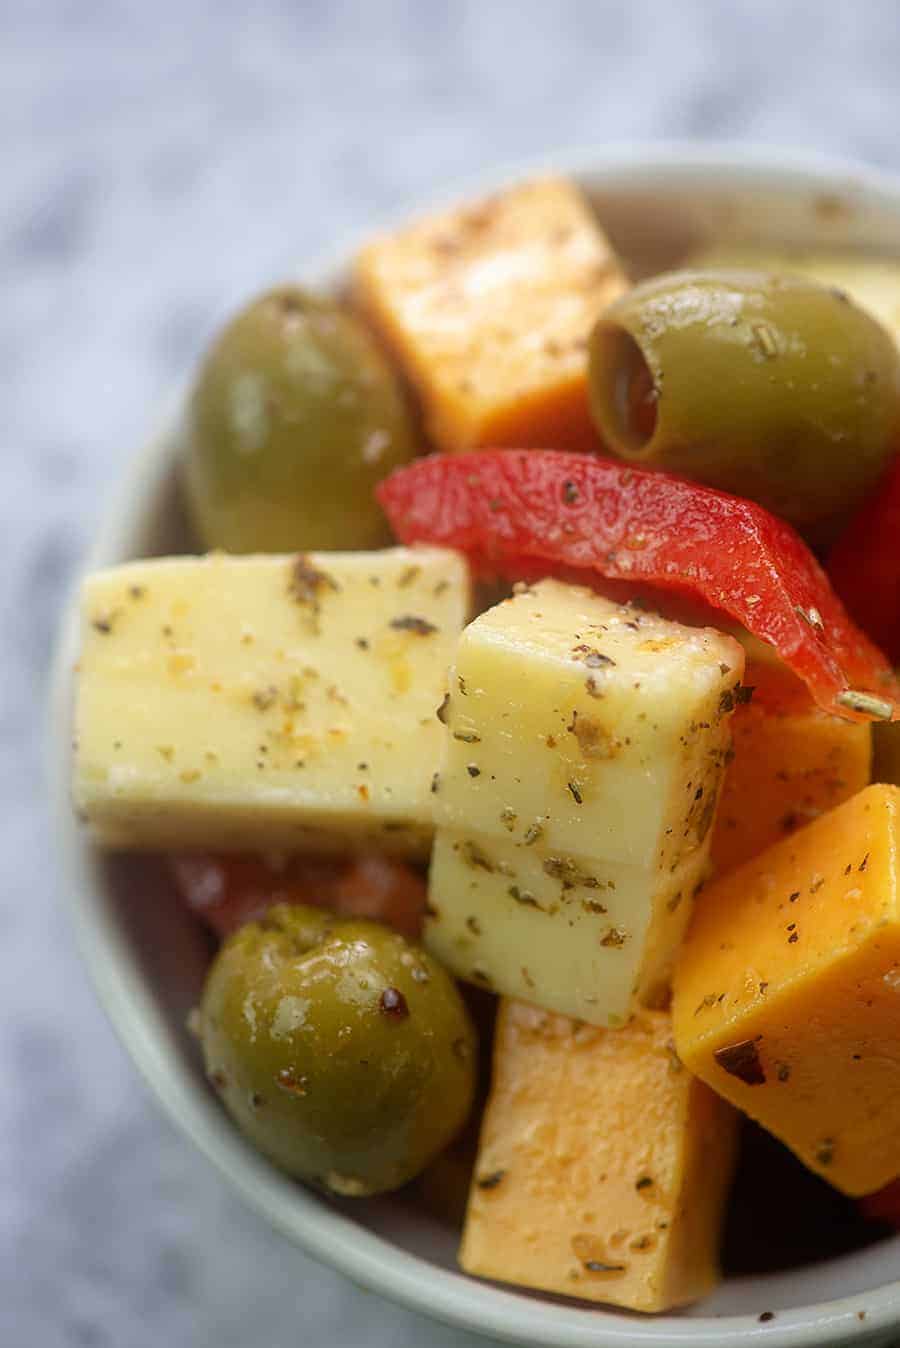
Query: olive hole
625	395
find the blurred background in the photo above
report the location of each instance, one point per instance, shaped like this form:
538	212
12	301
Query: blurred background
158	164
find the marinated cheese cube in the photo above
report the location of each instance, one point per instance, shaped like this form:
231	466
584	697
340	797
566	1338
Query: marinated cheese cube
603	1166
792	762
253	703
488	308
586	744
562	930
787	991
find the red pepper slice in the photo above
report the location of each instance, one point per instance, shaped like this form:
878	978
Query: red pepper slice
865	565
227	891
523	513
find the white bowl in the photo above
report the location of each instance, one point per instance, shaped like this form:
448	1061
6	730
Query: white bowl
147	955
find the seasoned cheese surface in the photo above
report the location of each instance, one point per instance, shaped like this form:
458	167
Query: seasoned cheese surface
787	991
792	762
603	1166
586	746
266	702
488	308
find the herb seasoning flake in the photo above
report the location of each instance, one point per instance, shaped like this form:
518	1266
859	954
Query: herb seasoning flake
614	939
741	1060
306	582
409	622
491	1180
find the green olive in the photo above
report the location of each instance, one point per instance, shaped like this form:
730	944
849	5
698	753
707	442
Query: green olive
769	386
294	418
344	1052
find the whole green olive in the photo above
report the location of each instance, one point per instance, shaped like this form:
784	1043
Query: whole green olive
294	418
344	1052
769	386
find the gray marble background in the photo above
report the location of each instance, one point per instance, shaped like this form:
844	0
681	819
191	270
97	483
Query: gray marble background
159	161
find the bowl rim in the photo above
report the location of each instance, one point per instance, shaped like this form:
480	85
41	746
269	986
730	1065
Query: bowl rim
320	1229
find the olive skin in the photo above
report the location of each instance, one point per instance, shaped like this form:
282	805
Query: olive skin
768	386
294	418
343	1052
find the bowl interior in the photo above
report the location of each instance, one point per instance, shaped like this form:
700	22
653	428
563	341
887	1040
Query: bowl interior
148	956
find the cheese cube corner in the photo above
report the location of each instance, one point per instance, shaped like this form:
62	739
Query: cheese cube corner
488	308
792	762
585	750
269	702
787	991
603	1166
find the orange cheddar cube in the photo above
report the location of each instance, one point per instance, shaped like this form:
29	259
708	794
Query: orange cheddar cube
603	1165
488	308
792	762
787	991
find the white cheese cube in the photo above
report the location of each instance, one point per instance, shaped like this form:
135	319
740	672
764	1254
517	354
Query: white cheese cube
574	804
596	722
568	933
250	703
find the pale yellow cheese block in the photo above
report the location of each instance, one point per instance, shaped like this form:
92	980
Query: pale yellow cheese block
603	1166
559	929
586	747
266	702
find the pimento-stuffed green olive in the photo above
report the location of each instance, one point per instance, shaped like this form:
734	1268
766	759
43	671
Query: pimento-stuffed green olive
295	416
344	1052
768	386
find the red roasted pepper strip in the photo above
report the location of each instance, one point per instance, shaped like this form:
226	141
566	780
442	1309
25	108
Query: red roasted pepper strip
229	890
865	565
522	513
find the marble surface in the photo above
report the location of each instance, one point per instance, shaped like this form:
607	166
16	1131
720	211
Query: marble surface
157	163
